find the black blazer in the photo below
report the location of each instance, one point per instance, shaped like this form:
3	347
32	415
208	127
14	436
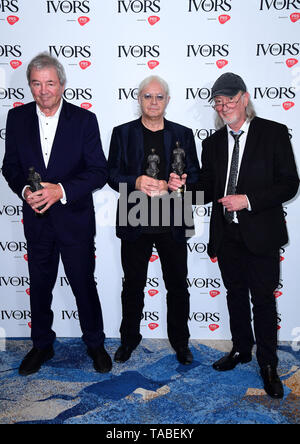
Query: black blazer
77	162
125	164
268	176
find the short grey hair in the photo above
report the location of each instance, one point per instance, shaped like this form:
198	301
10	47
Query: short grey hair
45	60
150	79
145	83
250	114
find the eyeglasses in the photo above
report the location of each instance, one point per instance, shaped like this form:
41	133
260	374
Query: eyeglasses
230	103
158	97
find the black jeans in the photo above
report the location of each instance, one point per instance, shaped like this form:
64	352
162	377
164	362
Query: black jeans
135	259
242	271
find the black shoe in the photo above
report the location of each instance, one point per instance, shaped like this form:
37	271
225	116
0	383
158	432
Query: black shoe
184	355
34	360
230	361
123	353
102	360
272	384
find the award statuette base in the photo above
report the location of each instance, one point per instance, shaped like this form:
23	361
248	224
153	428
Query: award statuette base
180	191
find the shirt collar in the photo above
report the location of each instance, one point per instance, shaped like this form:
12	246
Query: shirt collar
244	127
55	116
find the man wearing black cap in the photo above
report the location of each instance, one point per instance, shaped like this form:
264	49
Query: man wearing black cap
248	171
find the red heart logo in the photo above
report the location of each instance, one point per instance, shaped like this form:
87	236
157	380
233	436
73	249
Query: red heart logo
84	64
152	292
15	63
214	259
221	63
214	293
86	105
83	20
153	258
288	105
153	325
26	257
28	291
281	258
295	17
277	293
278	327
224	18
12	19
29	324
153	19
213	327
153	64
291	62
15	104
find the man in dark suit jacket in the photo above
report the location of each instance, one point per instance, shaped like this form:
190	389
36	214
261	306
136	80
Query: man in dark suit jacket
62	142
247	223
130	150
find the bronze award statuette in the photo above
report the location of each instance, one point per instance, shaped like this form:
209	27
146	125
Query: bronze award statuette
152	161
178	165
34	181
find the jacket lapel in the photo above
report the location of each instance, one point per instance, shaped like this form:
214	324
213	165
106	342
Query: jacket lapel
223	158
251	141
35	140
60	136
136	141
168	147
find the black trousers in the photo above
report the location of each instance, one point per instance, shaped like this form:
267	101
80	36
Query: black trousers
135	259
244	272
79	264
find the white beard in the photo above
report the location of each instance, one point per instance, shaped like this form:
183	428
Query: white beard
230	119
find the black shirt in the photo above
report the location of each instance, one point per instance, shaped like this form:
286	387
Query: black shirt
155	140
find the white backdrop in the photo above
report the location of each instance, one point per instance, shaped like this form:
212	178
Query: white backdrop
107	48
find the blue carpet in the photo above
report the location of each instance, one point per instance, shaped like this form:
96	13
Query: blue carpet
150	388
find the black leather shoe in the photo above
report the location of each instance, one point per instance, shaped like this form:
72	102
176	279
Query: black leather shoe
101	359
184	355
230	361
34	360
272	384
123	353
